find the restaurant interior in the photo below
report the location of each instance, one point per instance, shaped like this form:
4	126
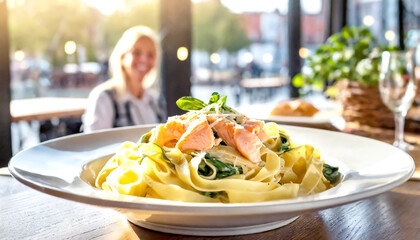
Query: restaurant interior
341	75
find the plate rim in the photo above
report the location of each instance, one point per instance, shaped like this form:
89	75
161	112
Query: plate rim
280	206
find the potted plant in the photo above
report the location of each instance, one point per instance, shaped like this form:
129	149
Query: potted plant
347	67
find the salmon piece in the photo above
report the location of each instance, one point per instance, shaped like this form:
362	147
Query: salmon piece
168	134
248	144
198	136
224	128
256	127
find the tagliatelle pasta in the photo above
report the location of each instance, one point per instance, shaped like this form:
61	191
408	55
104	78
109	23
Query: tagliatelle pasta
215	154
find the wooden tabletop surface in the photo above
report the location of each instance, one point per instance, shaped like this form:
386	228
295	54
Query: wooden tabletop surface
46	108
29	214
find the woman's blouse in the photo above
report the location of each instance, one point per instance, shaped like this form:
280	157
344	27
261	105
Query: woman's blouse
106	110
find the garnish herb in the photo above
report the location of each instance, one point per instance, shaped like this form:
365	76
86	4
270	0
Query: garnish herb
164	155
284	144
215	96
223	104
145	138
223	169
212	194
330	173
190	103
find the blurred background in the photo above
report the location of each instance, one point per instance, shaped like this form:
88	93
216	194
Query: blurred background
248	50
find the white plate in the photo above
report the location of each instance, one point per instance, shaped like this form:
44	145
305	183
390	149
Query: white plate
64	168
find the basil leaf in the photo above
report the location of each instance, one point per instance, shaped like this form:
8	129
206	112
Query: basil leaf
330	173
190	103
214	98
222	103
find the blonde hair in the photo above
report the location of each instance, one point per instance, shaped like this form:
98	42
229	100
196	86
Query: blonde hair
125	44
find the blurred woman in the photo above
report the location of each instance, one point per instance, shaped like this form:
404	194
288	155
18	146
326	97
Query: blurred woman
127	98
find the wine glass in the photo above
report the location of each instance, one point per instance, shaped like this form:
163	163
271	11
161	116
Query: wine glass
397	86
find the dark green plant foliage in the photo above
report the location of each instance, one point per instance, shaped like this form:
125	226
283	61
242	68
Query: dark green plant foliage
352	54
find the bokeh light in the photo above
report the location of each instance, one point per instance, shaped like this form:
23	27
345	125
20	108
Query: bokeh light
70	47
182	53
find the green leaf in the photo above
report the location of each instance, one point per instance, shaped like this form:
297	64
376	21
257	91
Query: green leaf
223	169
222	101
164	155
190	103
318	85
145	137
330	173
224	106
212	194
346	32
298	80
284	144
214	98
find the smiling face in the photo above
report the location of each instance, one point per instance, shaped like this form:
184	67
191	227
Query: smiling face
137	62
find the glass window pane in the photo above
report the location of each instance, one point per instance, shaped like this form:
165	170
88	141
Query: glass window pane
240	48
411	13
60	48
315	18
381	17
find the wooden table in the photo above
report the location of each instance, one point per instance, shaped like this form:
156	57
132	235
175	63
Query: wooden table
26	213
46	108
26	114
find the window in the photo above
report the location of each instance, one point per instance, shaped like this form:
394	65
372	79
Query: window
238	48
61	48
381	17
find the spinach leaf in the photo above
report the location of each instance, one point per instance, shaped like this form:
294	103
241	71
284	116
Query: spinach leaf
212	194
190	103
203	169
330	173
164	155
145	138
285	144
223	169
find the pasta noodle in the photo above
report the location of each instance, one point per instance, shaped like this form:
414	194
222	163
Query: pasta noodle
215	154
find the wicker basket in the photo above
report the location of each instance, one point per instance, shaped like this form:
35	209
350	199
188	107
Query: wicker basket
363	104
